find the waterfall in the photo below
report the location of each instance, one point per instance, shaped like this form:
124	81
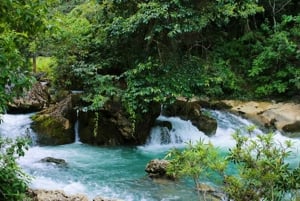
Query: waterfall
183	131
76	128
13	126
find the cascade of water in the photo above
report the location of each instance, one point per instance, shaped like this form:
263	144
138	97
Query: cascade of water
183	131
76	128
13	126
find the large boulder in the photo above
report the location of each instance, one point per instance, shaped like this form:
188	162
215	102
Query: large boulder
35	99
284	117
55	125
191	110
111	125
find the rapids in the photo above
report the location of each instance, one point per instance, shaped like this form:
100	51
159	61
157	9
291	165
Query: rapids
118	172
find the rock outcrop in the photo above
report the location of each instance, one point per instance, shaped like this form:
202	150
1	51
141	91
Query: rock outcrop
55	125
191	110
111	125
284	117
157	168
36	99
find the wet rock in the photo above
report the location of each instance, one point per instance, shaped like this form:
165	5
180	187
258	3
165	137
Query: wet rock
157	168
165	124
54	195
55	125
111	125
56	161
191	110
36	99
105	199
210	193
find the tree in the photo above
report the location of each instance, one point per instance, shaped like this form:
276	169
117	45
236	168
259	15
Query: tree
20	21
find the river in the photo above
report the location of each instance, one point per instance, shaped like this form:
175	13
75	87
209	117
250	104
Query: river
118	172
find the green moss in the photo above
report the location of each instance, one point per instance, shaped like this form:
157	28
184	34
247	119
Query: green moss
51	130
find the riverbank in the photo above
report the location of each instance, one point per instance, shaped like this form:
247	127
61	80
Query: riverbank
282	116
59	195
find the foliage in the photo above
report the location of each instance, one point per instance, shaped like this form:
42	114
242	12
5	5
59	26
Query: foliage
198	161
275	67
13	180
154	51
263	172
16	31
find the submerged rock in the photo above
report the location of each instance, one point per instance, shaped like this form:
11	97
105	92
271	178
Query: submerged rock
57	161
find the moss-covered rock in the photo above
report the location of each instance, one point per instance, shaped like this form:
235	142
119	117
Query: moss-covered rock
55	125
52	130
112	126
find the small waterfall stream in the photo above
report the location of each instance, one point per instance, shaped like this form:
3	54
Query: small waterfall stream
76	128
118	172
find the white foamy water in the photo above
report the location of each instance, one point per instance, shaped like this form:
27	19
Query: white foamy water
13	126
183	132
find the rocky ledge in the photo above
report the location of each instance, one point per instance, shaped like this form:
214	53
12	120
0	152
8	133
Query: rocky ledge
58	195
284	117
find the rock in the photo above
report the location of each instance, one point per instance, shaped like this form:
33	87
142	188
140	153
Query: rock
54	195
210	192
56	161
55	125
36	99
111	125
191	110
165	124
157	168
284	117
105	199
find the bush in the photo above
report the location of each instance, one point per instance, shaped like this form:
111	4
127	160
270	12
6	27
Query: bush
14	182
262	170
263	173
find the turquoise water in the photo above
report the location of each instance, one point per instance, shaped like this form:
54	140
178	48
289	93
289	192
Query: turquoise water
110	172
118	172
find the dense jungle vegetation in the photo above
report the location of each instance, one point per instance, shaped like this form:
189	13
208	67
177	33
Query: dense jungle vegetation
152	51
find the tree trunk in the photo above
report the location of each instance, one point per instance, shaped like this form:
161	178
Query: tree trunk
34	63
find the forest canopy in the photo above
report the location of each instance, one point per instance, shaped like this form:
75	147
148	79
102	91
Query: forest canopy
156	50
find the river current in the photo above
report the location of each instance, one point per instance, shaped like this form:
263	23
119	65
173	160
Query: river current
118	172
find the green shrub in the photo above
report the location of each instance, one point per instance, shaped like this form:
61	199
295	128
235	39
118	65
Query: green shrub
14	182
263	173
